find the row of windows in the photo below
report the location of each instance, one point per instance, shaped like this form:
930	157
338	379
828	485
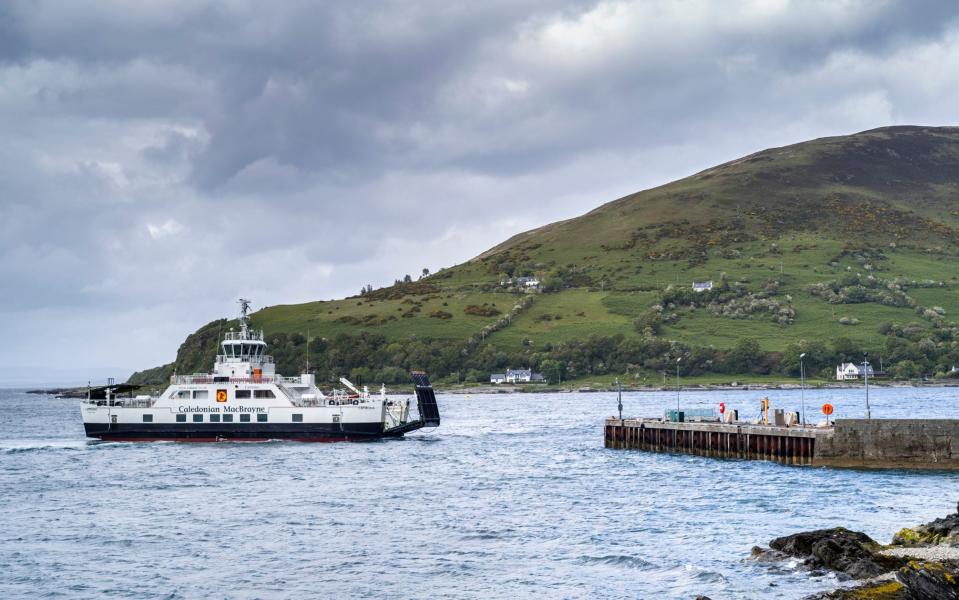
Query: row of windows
243	350
228	418
238	394
245	394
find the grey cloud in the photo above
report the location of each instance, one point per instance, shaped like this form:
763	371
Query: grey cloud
160	159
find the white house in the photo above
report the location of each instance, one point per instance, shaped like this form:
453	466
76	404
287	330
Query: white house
497	378
852	371
519	376
527	282
702	286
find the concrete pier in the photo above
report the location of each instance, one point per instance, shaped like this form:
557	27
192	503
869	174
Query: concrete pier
856	443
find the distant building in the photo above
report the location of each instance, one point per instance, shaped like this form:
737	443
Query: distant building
526	282
497	378
519	376
852	371
529	282
702	286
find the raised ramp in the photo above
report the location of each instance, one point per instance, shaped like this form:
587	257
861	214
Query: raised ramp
429	411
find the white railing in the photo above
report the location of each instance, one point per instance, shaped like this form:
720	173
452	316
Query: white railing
205	378
125	402
258	360
252	335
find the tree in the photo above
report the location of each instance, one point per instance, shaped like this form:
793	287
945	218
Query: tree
906	370
407	279
846	350
744	357
552	371
818	357
360	375
426	273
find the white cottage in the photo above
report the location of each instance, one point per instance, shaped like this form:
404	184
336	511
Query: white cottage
852	371
702	286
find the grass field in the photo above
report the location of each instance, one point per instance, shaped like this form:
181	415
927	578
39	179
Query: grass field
582	312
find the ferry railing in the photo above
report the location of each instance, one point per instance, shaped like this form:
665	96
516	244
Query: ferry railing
252	335
125	402
257	360
202	379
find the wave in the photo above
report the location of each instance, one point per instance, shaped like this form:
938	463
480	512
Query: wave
34	445
618	560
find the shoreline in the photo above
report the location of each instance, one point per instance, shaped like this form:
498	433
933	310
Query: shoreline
921	561
704	387
80	392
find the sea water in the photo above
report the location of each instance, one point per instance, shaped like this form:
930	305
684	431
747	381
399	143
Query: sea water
513	496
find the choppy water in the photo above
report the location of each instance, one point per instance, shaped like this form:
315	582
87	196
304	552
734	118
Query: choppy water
513	496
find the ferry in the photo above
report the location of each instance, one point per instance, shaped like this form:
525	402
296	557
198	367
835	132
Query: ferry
244	399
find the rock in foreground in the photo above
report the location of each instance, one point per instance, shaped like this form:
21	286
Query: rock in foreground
930	580
920	565
850	552
940	531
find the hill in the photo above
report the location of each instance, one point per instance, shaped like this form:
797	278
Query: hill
832	247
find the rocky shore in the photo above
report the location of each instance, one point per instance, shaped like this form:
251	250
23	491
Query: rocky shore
61	392
921	563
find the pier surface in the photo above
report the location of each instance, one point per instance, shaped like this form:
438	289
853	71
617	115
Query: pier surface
854	443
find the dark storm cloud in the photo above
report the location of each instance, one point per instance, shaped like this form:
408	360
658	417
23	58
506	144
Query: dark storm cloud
161	158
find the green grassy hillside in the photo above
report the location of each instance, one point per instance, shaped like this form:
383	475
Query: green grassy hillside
833	247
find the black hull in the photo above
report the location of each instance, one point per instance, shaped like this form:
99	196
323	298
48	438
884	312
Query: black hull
239	432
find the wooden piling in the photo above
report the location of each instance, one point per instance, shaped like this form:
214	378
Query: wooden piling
787	445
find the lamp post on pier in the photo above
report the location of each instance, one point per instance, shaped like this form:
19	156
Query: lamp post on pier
678	360
802	385
865	374
619	390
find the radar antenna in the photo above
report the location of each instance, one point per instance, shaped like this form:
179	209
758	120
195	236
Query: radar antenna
244	320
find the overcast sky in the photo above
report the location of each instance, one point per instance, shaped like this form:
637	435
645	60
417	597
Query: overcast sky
160	159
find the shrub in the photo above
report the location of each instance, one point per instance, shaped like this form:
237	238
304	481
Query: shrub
486	310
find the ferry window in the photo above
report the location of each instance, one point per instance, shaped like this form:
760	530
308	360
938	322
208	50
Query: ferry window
263	394
214	418
245	418
181	418
261	417
241	394
297	418
147	418
227	418
181	394
201	394
198	418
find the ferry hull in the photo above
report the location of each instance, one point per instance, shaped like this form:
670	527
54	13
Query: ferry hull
211	432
